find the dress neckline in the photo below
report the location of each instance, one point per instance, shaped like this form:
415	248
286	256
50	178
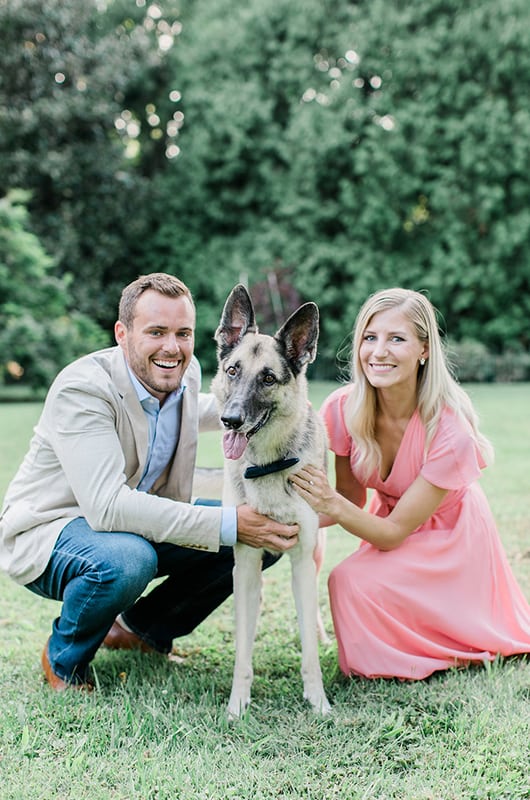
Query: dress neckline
398	452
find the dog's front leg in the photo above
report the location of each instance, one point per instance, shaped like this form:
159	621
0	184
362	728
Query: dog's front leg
318	558
247	596
304	581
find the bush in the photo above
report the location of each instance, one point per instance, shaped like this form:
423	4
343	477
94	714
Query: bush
472	362
512	366
39	334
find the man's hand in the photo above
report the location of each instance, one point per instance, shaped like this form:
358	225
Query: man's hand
257	530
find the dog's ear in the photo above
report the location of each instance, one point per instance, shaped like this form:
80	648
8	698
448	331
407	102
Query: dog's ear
298	336
237	319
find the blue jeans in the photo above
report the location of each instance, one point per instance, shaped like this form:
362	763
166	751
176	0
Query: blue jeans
98	575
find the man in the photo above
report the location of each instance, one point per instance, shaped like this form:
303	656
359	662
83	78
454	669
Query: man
101	504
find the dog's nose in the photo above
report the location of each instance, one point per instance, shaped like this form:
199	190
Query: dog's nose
232	422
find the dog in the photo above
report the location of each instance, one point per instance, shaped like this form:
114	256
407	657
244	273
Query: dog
270	427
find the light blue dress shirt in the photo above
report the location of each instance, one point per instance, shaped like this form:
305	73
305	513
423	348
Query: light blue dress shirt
163	436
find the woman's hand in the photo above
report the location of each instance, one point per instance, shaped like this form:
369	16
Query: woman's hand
415	506
312	484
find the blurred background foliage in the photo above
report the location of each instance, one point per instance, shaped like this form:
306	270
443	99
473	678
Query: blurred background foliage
314	150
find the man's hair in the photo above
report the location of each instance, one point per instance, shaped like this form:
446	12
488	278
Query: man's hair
160	282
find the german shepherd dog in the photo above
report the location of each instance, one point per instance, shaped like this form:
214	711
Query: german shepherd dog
261	389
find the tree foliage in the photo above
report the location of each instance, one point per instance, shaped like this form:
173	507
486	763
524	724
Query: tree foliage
316	150
354	148
37	334
75	78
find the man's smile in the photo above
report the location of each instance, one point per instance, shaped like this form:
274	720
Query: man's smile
166	364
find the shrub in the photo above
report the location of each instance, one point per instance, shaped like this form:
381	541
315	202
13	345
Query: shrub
471	361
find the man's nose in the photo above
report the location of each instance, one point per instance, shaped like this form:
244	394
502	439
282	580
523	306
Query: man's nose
171	343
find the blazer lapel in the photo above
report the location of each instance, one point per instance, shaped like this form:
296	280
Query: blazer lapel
133	410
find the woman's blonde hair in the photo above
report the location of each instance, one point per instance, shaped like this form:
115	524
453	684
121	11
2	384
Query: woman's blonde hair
436	386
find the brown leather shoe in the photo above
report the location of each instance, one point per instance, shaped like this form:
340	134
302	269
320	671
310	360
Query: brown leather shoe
57	683
120	639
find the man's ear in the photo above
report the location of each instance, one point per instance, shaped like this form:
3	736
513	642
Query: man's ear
120	332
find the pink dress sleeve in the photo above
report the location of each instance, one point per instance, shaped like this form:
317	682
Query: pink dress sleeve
454	460
332	412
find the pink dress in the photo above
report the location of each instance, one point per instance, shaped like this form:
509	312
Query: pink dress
446	596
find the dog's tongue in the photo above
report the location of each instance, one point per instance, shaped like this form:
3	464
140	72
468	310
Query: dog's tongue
234	444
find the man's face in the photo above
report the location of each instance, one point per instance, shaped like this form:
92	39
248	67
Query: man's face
159	346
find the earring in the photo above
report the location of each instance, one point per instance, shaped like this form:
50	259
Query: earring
422	361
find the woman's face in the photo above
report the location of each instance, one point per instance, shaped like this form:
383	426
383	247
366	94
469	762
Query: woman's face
390	350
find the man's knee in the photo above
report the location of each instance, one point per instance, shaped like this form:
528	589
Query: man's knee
130	564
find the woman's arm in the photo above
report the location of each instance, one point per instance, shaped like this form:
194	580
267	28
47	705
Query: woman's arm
417	504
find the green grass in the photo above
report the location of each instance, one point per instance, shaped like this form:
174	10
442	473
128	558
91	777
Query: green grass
156	730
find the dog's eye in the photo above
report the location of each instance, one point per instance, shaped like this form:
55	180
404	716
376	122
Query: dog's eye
231	372
269	379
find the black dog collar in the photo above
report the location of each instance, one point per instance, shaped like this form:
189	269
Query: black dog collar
268	469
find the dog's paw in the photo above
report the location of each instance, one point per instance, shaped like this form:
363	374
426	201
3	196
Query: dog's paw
319	702
324	708
237	708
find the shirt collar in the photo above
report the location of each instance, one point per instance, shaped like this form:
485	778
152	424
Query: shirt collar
144	395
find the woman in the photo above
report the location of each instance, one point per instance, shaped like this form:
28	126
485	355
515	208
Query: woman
429	587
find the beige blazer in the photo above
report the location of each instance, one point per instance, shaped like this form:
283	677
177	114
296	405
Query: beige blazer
86	458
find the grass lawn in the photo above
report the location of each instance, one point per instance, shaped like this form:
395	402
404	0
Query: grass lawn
156	730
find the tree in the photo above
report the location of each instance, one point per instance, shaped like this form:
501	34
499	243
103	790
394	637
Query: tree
241	71
74	84
38	335
332	148
356	147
